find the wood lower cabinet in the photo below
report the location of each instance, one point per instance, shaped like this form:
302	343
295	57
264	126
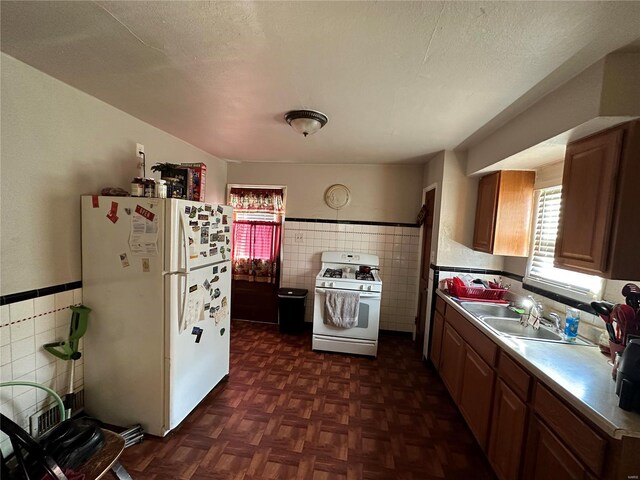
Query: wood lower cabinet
596	233
548	459
436	342
476	394
451	358
527	430
508	429
503	213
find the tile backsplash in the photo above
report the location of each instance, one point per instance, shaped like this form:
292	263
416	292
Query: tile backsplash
397	248
24	327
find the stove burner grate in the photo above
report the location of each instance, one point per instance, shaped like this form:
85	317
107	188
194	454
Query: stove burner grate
365	276
332	273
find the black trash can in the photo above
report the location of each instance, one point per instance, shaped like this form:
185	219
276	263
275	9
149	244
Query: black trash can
291	302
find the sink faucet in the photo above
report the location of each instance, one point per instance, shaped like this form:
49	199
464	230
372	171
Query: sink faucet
535	312
556	319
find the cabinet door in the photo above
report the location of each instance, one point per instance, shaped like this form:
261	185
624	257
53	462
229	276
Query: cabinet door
588	197
436	342
486	209
507	433
451	358
548	459
476	394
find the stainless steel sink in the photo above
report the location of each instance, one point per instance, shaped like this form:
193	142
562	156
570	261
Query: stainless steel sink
514	328
504	321
483	310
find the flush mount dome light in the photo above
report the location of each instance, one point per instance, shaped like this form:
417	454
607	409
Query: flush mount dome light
306	122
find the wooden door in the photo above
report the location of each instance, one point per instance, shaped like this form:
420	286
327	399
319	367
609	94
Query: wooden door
476	394
548	459
486	209
507	433
423	292
451	358
588	196
436	339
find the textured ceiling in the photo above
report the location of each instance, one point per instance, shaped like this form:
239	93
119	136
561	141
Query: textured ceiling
398	80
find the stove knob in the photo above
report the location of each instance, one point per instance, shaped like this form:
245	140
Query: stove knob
361	287
324	284
331	284
369	287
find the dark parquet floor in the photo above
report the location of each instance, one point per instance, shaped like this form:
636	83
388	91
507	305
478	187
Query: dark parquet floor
289	413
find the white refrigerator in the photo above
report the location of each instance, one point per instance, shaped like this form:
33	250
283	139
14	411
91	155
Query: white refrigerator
157	275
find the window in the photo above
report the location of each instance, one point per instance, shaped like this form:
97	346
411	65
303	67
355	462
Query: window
257	224
540	270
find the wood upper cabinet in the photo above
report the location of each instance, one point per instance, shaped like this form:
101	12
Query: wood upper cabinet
598	232
503	213
451	358
507	433
476	394
436	339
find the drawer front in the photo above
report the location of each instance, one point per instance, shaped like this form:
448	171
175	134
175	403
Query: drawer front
441	305
515	376
586	444
484	347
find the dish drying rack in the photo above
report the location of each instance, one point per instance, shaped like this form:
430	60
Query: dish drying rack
493	294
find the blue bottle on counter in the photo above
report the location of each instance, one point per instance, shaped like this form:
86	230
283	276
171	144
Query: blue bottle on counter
571	324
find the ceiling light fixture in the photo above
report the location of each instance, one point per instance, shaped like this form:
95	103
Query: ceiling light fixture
306	122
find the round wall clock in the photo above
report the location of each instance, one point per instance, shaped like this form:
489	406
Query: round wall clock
337	196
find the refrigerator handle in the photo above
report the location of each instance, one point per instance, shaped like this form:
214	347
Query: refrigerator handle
183	315
185	244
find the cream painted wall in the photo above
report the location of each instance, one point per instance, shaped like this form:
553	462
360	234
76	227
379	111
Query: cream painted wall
574	103
601	96
457	218
379	193
432	174
57	144
619	95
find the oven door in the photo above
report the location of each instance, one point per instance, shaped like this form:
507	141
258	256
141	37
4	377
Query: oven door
368	317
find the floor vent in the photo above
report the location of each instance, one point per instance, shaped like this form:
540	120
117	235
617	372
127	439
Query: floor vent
43	420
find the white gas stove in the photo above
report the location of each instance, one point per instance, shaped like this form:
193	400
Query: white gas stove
341	271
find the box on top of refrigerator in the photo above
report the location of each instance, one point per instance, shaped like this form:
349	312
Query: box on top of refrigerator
196	188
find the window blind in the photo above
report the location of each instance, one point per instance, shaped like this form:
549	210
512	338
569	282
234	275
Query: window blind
544	243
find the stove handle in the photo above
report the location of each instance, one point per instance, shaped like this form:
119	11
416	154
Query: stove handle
322	291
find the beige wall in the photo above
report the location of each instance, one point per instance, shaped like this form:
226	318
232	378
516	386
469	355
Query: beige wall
620	92
432	175
379	193
457	218
601	96
576	102
59	143
455	211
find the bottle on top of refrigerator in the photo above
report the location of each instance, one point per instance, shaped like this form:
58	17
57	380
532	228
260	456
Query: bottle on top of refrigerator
137	187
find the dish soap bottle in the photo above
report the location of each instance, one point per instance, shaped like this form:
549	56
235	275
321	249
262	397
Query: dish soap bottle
571	324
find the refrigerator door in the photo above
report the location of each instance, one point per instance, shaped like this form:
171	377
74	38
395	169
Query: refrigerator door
198	234
123	284
198	308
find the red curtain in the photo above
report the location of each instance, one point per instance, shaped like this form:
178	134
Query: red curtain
256	243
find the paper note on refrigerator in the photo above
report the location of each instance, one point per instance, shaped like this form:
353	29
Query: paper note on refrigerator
143	239
195	308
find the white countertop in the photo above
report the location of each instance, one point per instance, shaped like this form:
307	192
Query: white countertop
579	374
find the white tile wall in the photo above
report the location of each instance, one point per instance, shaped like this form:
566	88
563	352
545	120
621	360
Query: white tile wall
24	328
397	248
